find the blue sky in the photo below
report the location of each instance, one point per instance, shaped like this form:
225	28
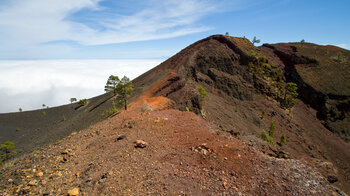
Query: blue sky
153	29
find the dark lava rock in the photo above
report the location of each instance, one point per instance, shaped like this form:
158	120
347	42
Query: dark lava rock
332	179
120	137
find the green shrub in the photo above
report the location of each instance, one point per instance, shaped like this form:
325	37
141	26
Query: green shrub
202	95
340	57
83	102
251	66
267	138
60	141
17	128
63	118
266	69
6	149
202	91
263	59
253	58
113	110
263	113
260	65
73	99
253	54
20	109
279	76
43	113
290	94
7	146
107	111
283	139
187	109
36	151
272	129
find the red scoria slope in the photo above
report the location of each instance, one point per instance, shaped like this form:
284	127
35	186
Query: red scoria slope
184	156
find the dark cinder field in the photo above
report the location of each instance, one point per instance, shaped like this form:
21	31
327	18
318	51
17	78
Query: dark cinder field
30	130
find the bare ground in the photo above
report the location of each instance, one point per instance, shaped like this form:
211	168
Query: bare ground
184	156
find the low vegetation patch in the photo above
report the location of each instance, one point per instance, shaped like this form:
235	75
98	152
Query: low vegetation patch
10	164
339	58
260	65
113	110
7	149
64	118
73	99
272	129
290	94
263	114
35	151
83	102
202	95
283	139
267	138
286	93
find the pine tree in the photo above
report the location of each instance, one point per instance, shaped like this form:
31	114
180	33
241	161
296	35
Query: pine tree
73	100
290	94
255	40
124	89
112	84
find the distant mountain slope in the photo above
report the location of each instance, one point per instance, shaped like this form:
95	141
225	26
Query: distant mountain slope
42	127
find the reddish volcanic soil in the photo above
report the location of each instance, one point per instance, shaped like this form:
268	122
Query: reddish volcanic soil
183	156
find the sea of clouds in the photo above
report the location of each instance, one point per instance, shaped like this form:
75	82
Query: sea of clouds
28	84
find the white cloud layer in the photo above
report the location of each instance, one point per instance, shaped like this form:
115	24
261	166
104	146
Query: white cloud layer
29	84
36	25
345	46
